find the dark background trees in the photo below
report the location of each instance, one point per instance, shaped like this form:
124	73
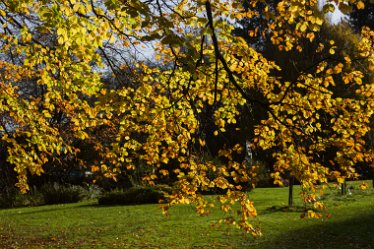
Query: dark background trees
362	17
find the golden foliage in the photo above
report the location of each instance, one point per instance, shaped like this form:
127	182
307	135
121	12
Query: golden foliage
64	48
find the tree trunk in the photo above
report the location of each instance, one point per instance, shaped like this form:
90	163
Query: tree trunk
290	191
344	188
372	174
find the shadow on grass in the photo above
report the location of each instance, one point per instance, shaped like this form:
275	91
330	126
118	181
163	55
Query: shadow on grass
69	206
357	232
44	209
51	208
273	209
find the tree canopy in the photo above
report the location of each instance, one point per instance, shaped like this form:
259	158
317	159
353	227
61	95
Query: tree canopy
57	56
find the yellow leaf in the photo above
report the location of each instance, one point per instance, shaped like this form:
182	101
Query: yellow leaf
303	26
164	172
202	142
103	91
95	168
310	36
221	182
319	21
360	5
103	168
340	180
363	186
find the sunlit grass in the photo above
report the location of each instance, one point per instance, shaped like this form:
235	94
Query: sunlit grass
86	225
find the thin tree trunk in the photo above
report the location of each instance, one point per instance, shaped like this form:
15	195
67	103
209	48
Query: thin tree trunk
290	191
344	188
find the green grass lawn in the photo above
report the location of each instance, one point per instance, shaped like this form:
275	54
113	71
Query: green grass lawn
87	225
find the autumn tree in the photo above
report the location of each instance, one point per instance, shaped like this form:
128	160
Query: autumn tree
304	59
152	117
359	17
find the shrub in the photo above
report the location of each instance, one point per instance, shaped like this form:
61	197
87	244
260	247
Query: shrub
54	193
31	198
134	195
8	179
164	189
7	201
263	177
92	192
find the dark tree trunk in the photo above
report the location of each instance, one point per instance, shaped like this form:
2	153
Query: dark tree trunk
290	191
344	188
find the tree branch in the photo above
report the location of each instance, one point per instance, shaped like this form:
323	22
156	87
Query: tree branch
224	63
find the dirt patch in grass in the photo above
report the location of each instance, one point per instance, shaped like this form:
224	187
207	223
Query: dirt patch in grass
9	241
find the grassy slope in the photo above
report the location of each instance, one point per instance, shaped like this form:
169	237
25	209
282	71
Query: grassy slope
85	225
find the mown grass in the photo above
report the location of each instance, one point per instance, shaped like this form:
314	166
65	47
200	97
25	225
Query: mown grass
87	225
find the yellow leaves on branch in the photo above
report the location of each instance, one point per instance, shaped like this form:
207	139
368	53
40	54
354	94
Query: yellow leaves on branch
75	53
